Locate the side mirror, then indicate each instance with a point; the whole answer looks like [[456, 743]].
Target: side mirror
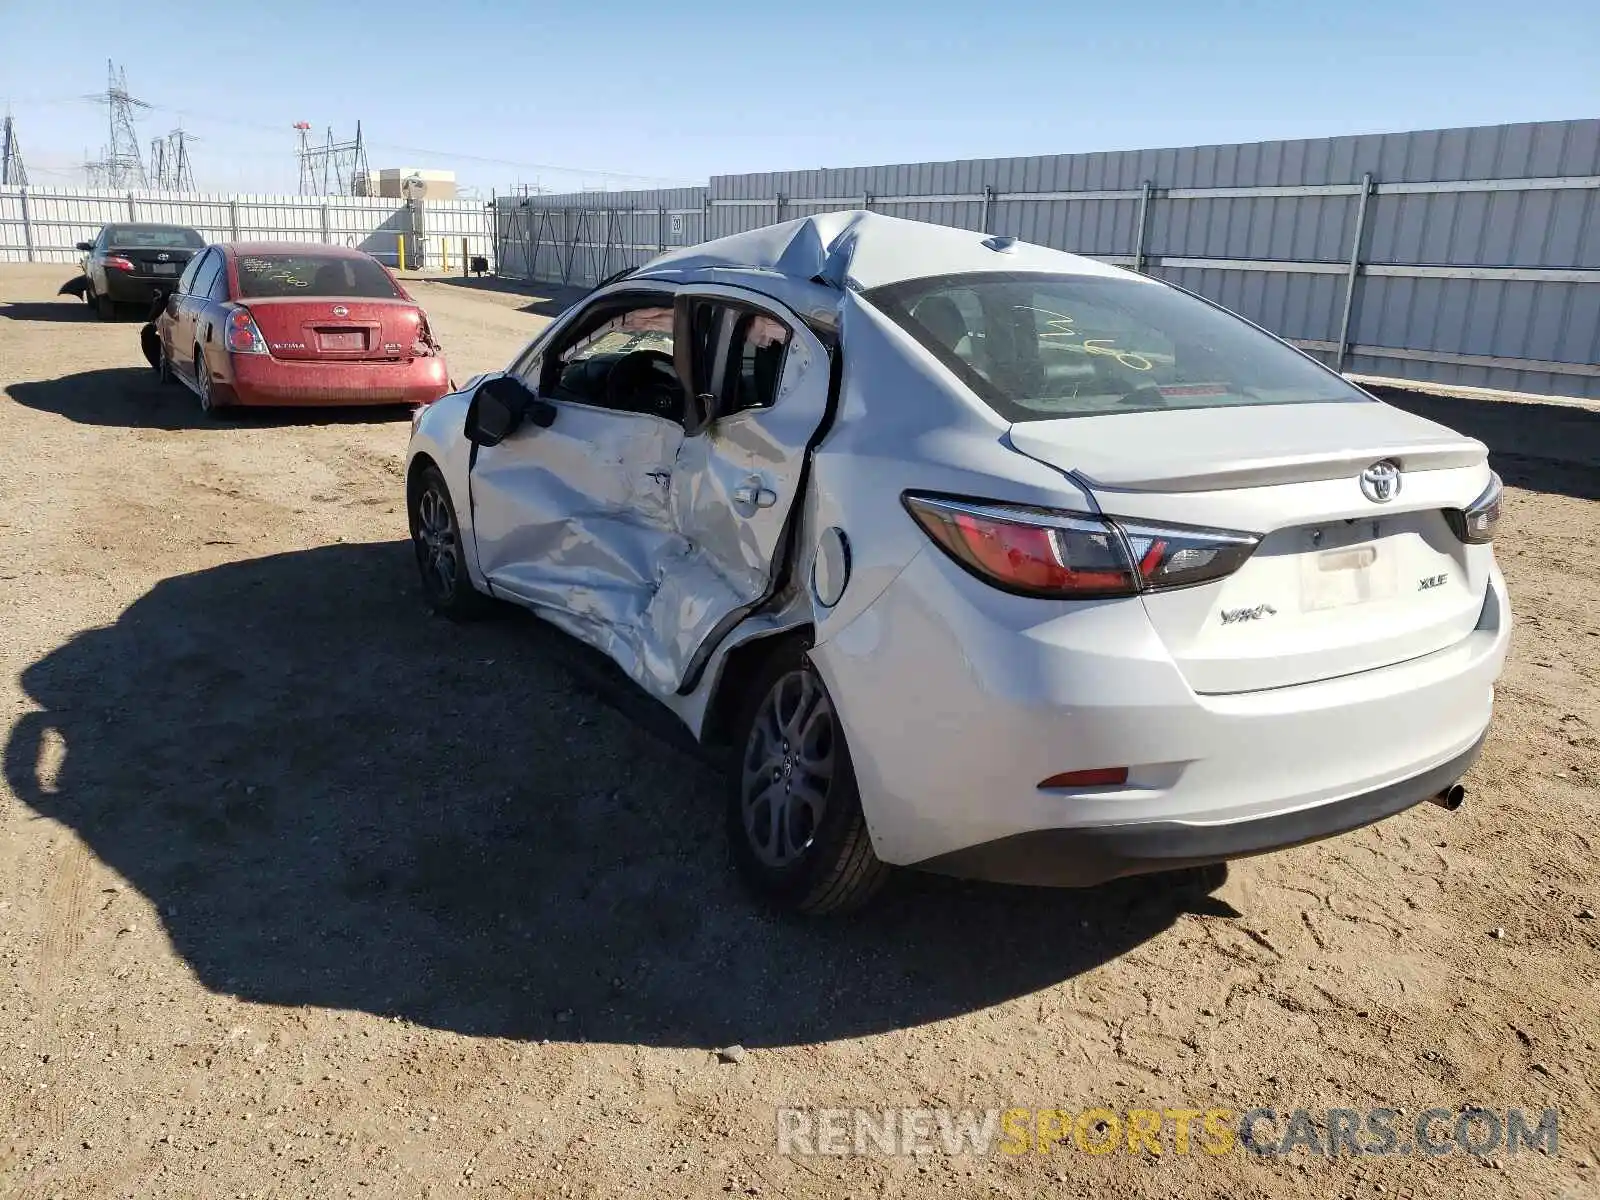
[[86, 247], [500, 406]]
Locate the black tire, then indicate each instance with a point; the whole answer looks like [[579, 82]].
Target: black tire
[[441, 556], [164, 371], [104, 307], [202, 383], [810, 863]]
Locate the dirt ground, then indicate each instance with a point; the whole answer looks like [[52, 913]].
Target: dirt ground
[[305, 894]]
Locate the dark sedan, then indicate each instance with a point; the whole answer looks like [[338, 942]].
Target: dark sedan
[[133, 264]]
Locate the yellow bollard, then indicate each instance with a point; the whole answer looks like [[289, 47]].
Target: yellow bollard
[[400, 249]]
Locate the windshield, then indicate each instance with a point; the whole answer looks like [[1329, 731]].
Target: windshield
[[266, 275], [153, 237], [1040, 347]]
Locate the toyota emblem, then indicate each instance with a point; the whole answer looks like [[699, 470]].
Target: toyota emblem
[[163, 257], [340, 310], [1380, 482]]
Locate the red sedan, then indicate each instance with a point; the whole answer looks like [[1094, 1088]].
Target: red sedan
[[277, 323]]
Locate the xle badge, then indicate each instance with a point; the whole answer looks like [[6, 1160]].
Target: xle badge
[[1232, 615], [1432, 581]]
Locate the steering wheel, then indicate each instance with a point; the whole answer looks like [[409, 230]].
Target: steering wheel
[[646, 381]]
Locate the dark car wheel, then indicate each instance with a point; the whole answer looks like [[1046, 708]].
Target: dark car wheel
[[795, 824], [164, 371], [441, 557], [202, 383], [104, 308]]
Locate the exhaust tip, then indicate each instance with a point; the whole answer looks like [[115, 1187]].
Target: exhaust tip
[[1452, 798]]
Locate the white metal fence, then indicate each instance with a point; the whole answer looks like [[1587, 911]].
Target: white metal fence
[[1463, 256], [45, 224]]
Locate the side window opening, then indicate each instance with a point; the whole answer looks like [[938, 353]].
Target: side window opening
[[621, 360], [186, 280], [219, 282], [207, 274], [755, 362]]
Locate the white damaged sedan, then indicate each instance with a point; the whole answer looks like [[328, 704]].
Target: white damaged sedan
[[982, 558]]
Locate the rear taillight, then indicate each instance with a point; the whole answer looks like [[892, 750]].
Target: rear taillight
[[115, 262], [243, 337], [1476, 523], [1060, 555], [424, 346]]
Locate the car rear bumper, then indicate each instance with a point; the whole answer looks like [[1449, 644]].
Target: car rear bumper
[[1082, 857], [262, 380], [123, 288], [958, 701]]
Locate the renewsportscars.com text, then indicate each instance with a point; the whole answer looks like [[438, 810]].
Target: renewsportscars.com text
[[1330, 1133]]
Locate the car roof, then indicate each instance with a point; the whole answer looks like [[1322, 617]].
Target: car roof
[[309, 249], [863, 250], [151, 225]]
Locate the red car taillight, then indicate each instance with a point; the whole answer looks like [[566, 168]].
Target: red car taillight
[[1074, 556], [243, 336], [115, 262]]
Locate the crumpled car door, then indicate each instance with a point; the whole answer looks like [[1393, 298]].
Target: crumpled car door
[[734, 487], [572, 520]]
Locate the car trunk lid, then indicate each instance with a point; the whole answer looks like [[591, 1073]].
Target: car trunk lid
[[331, 329], [1341, 582]]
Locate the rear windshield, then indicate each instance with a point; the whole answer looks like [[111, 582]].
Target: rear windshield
[[265, 275], [1040, 347], [153, 237]]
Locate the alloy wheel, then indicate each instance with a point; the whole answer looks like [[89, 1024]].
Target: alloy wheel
[[436, 541], [202, 379], [788, 768]]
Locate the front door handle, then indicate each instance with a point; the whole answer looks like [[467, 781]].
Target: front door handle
[[752, 496]]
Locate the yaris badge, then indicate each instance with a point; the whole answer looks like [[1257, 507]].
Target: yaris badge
[[1380, 482]]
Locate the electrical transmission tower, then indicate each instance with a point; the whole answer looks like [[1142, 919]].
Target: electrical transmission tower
[[170, 168], [121, 166], [12, 172], [333, 168]]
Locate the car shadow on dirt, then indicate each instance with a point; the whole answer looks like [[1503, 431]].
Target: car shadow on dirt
[[1552, 448], [46, 310], [333, 798], [132, 398]]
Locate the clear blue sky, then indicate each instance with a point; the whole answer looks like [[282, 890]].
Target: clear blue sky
[[560, 94]]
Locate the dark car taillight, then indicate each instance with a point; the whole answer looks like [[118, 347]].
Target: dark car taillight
[[1075, 556], [115, 262]]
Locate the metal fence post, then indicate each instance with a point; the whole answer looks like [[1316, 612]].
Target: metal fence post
[[778, 202], [661, 228], [866, 201], [1353, 273], [983, 214], [27, 225], [133, 209], [324, 224], [1144, 220], [233, 220]]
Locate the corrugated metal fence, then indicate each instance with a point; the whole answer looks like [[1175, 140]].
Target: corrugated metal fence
[[1461, 256], [44, 224]]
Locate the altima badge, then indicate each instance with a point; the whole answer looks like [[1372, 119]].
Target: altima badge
[[1231, 616], [1380, 482]]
